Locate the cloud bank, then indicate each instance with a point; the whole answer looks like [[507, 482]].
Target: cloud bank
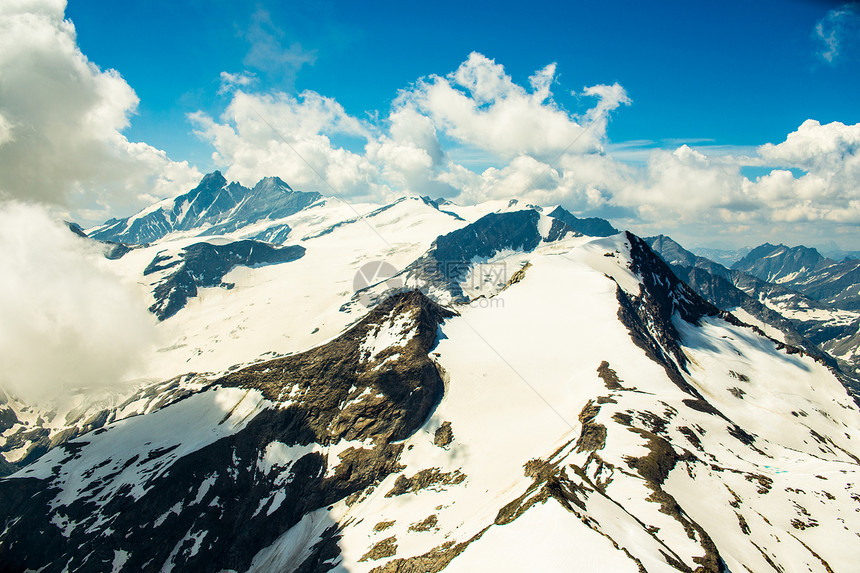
[[477, 107], [68, 324], [61, 121], [525, 144]]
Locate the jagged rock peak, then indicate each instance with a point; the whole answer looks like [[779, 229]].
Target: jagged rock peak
[[271, 184]]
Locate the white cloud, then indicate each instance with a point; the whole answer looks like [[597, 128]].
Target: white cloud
[[6, 135], [410, 156], [480, 105], [263, 135], [522, 141], [230, 82], [609, 98], [830, 147], [830, 190], [837, 31], [61, 119], [67, 323]]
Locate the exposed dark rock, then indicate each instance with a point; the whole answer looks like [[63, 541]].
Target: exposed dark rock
[[592, 436], [451, 256], [7, 418], [737, 393], [738, 376], [385, 548], [383, 525], [76, 229], [609, 376], [401, 397], [424, 479], [741, 435], [231, 532], [433, 561], [426, 524], [323, 553], [648, 315], [692, 437], [444, 435], [727, 288], [112, 249], [518, 275], [591, 226], [214, 207], [204, 265], [659, 461], [764, 483], [814, 333]]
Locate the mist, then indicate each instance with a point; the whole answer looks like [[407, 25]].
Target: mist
[[68, 323]]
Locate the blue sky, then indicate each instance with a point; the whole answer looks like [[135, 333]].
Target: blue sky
[[694, 112], [727, 73]]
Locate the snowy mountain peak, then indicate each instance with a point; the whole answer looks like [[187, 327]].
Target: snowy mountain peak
[[214, 180], [805, 270], [214, 207], [271, 184]]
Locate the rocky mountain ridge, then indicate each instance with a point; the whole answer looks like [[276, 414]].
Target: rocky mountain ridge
[[214, 207]]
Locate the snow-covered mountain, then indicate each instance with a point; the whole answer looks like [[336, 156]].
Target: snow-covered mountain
[[804, 270], [214, 207], [817, 326], [516, 395]]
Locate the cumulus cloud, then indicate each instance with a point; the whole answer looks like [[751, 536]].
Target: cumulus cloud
[[67, 323], [838, 31], [277, 134], [480, 105], [532, 148], [477, 106], [831, 147], [830, 188], [410, 156], [61, 120]]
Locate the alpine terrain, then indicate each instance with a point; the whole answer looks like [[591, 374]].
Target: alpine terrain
[[523, 390]]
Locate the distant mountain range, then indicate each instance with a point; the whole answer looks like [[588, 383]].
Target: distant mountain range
[[726, 257], [794, 290], [525, 390], [806, 271]]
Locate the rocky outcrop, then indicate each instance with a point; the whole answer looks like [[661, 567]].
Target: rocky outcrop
[[217, 506], [589, 226], [440, 271], [204, 265]]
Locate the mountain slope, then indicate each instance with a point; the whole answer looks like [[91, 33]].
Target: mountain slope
[[204, 265], [591, 226], [217, 476], [787, 315], [593, 412]]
